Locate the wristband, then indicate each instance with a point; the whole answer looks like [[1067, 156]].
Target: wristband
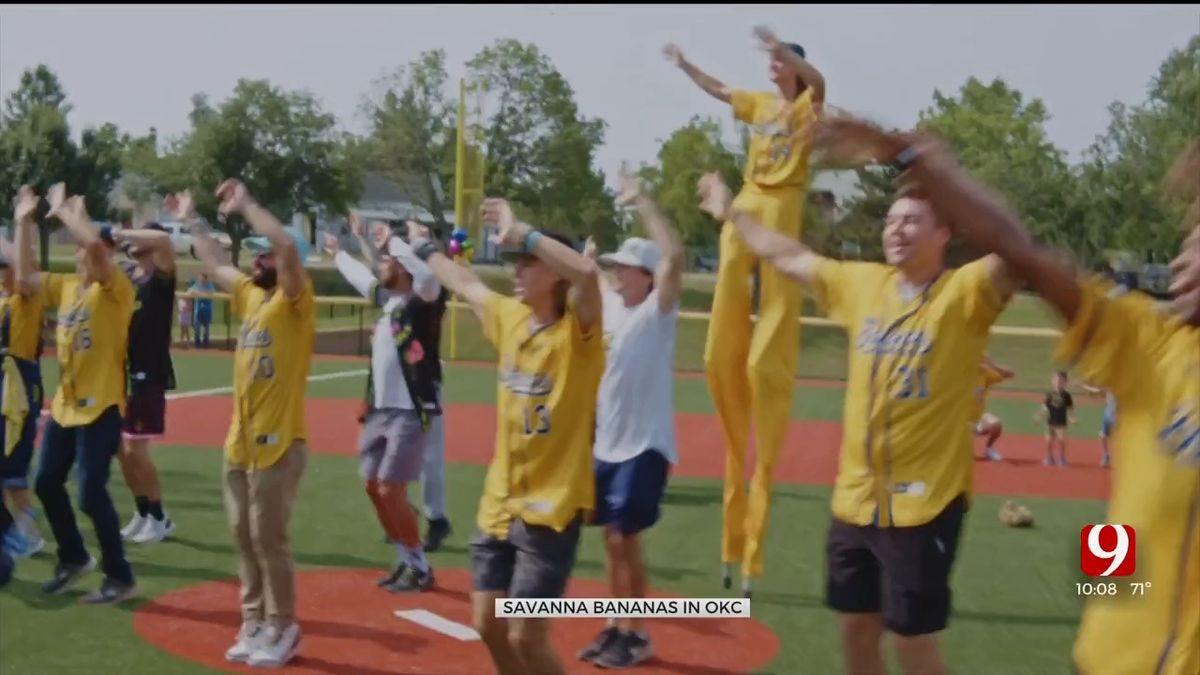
[[531, 241], [426, 250], [905, 158]]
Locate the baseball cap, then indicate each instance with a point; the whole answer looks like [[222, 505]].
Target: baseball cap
[[514, 254], [795, 48], [259, 245], [635, 252]]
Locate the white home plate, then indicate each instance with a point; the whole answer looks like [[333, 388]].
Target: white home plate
[[441, 624]]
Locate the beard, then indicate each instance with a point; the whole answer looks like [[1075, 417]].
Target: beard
[[264, 278]]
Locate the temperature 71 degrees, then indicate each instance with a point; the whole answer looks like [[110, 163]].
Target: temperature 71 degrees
[[1139, 587]]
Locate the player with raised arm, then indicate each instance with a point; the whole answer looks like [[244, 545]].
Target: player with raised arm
[[905, 469], [756, 364], [1148, 359], [402, 392], [84, 429], [151, 375], [266, 451], [539, 486], [635, 420], [21, 309]]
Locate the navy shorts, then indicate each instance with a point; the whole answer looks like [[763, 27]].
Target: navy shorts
[[14, 468], [145, 410], [628, 493]]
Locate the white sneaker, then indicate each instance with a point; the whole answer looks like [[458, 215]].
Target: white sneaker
[[154, 531], [277, 648], [249, 639], [991, 454], [135, 525]]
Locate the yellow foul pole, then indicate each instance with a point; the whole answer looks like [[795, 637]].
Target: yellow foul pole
[[460, 210]]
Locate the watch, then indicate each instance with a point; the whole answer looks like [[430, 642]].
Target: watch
[[905, 158], [426, 249]]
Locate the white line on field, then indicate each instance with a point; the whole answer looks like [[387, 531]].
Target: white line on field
[[195, 393], [435, 622]]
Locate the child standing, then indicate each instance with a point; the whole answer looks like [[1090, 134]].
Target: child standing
[[185, 322], [1057, 410]]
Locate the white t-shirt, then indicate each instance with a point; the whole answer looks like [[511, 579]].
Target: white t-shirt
[[634, 410]]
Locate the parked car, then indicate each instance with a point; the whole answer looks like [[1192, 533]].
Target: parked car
[[181, 239], [705, 263], [1155, 280]]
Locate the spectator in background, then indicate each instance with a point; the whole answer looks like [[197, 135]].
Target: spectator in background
[[185, 321], [202, 308]]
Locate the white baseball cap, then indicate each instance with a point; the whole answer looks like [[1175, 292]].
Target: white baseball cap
[[635, 252]]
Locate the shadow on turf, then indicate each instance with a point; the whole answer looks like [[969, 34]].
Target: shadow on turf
[[302, 558]]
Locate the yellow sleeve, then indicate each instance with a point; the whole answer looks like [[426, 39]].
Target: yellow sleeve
[[745, 104], [981, 301], [838, 285], [52, 287], [496, 311], [305, 303], [1110, 336], [239, 296]]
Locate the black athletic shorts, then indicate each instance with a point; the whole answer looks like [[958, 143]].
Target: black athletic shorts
[[145, 410], [534, 561], [900, 572]]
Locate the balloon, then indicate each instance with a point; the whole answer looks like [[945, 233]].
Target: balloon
[[468, 243], [455, 248], [459, 234]]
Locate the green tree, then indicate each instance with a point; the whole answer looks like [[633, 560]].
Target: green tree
[[1000, 137], [857, 233], [1119, 194], [36, 148], [286, 149], [539, 147], [413, 130], [688, 153]]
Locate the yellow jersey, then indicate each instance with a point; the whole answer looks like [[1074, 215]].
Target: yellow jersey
[[906, 441], [988, 378], [270, 372], [22, 316], [1151, 363], [91, 339], [780, 137], [545, 419]]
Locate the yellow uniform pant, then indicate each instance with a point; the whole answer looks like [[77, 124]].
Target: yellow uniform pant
[[751, 369]]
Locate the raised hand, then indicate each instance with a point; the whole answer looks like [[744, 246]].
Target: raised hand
[[766, 39], [589, 249], [499, 212], [846, 139], [715, 196], [181, 206], [380, 233], [628, 186], [356, 225], [27, 203], [232, 196], [330, 245], [57, 196], [674, 54]]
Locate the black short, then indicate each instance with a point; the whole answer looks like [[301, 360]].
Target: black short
[[901, 572], [532, 562], [145, 410]]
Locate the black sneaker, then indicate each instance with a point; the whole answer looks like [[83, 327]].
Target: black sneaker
[[65, 576], [627, 651], [411, 581], [111, 592], [390, 579], [603, 641], [436, 533]]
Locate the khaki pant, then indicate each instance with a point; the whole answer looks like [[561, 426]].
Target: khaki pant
[[258, 504]]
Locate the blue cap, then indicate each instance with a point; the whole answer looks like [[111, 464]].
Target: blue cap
[[258, 245], [795, 48]]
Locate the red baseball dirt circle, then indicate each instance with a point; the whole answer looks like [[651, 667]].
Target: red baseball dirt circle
[[350, 627], [810, 454]]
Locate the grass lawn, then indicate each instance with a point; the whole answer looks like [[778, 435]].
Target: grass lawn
[[1015, 605]]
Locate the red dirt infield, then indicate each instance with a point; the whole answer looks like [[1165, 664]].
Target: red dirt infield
[[349, 628], [809, 455]]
